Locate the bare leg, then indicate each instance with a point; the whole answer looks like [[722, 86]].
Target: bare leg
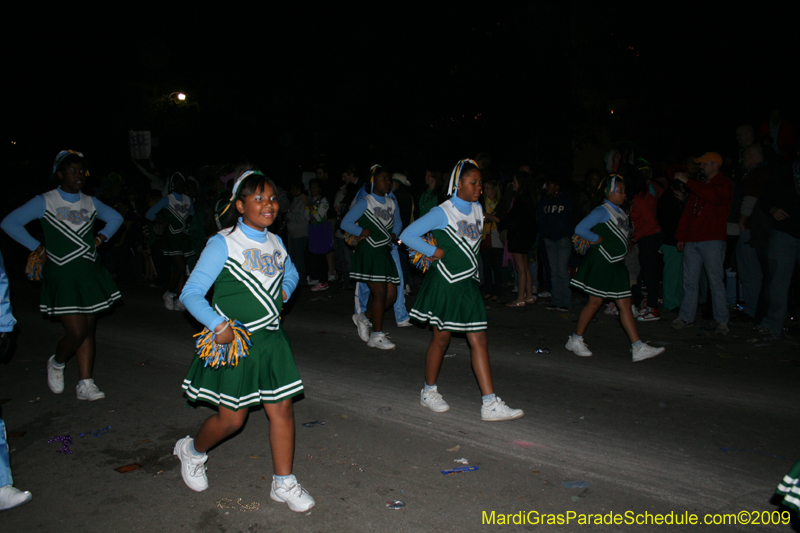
[[223, 424], [86, 352], [178, 276], [435, 355], [281, 435], [589, 310], [627, 320], [330, 257], [479, 345], [523, 277], [76, 329], [383, 297]]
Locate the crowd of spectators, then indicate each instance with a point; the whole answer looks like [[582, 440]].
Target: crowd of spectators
[[717, 233]]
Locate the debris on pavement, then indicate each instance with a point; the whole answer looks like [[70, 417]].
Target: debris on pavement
[[65, 440], [454, 448], [462, 461], [459, 470], [575, 484], [395, 504], [96, 433], [314, 424], [124, 469], [227, 503]]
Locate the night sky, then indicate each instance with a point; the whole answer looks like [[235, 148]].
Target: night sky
[[410, 88]]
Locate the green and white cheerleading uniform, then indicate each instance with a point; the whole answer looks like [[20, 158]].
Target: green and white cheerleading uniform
[[177, 208], [73, 279], [789, 488], [602, 272], [372, 261], [450, 297], [249, 270]]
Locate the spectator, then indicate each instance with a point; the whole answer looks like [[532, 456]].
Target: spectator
[[521, 224], [433, 194], [701, 236], [492, 246], [669, 211], [298, 231], [748, 250], [778, 133], [648, 237], [341, 203], [781, 199], [555, 216], [401, 188]]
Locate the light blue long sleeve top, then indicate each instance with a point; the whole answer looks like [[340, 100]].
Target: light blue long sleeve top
[[163, 204], [14, 223], [7, 319], [435, 219], [352, 216], [210, 266], [598, 215]]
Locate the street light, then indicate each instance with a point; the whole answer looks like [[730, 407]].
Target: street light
[[177, 96]]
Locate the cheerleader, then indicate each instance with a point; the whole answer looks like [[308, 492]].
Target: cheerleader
[[450, 298], [375, 221], [603, 273], [75, 285], [178, 208], [252, 277]]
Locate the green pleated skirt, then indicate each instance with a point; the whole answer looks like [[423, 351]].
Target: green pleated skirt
[[267, 375], [80, 287], [374, 264], [450, 306], [596, 276]]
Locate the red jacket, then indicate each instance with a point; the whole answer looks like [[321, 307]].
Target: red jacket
[[705, 217], [643, 215]]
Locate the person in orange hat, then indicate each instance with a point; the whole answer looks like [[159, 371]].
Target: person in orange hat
[[701, 236]]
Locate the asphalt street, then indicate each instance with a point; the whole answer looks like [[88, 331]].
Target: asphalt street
[[710, 426]]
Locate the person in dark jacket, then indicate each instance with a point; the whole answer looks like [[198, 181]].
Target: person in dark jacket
[[781, 200], [669, 211], [555, 215]]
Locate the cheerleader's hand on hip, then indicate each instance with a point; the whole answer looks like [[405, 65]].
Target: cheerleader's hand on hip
[[42, 253], [223, 334], [438, 254]]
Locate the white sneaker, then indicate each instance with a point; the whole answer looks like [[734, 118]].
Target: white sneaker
[[87, 390], [577, 346], [178, 305], [611, 309], [433, 400], [331, 277], [311, 281], [407, 290], [193, 467], [291, 493], [381, 341], [169, 300], [544, 294], [11, 497], [497, 411], [363, 326], [55, 375], [645, 351], [722, 328], [405, 323]]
